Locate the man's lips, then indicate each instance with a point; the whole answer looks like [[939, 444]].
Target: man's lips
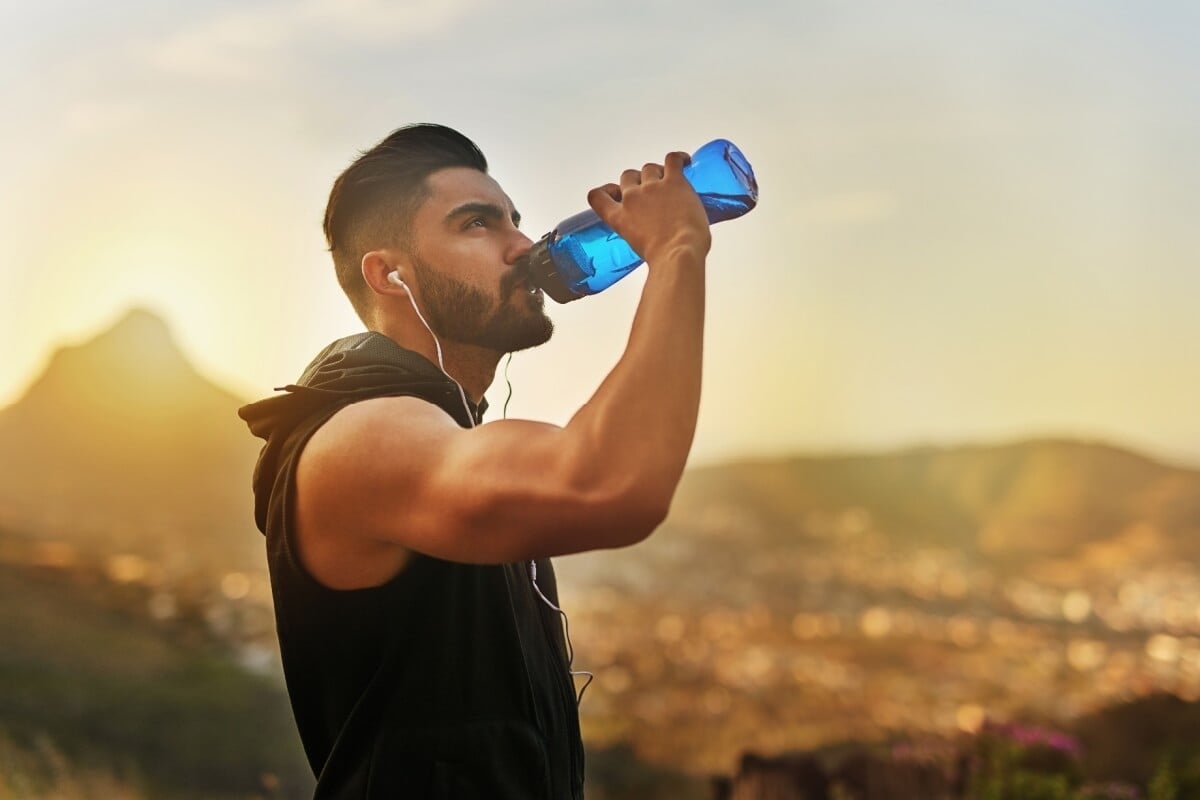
[[519, 278], [525, 285]]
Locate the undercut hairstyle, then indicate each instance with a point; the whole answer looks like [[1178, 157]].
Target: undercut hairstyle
[[372, 203]]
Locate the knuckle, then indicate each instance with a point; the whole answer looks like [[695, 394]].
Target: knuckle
[[601, 196]]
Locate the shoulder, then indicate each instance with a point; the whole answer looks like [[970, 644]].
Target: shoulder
[[358, 439], [352, 468], [385, 415]]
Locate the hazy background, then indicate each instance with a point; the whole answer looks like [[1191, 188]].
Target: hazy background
[[947, 475], [977, 221]]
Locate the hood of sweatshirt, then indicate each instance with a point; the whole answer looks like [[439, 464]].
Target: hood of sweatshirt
[[354, 368]]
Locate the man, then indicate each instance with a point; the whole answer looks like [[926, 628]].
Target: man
[[408, 544]]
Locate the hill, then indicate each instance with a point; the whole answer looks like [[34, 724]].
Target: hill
[[121, 446], [1009, 502], [750, 529]]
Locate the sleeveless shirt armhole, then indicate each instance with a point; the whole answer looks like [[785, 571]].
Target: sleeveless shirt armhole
[[287, 536], [291, 551]]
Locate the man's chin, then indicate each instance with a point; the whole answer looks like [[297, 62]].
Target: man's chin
[[518, 331], [536, 338]]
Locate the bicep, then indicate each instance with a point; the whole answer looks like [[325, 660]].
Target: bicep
[[400, 470]]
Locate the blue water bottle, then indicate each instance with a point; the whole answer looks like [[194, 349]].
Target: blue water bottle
[[583, 255]]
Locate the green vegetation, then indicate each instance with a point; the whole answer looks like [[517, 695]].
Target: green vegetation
[[41, 770], [93, 693]]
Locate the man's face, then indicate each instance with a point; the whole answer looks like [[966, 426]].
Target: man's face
[[467, 259]]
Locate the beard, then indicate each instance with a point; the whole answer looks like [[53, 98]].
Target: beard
[[463, 313]]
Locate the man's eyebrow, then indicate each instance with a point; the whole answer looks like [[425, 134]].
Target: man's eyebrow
[[489, 210]]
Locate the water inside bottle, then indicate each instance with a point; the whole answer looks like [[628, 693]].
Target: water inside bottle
[[595, 258], [720, 207]]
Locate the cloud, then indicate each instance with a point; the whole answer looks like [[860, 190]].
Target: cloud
[[251, 43]]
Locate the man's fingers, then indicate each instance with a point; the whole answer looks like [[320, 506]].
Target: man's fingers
[[611, 189], [630, 177], [605, 199], [652, 172], [675, 161]]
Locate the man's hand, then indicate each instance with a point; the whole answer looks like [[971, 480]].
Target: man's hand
[[657, 211]]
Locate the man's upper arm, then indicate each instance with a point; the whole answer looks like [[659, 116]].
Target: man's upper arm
[[400, 470]]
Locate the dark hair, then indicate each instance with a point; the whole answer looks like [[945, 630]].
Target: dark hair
[[372, 203]]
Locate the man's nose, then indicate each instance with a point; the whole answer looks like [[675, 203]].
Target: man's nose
[[520, 247]]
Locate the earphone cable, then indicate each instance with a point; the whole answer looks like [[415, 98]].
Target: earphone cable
[[504, 411], [438, 346], [566, 634]]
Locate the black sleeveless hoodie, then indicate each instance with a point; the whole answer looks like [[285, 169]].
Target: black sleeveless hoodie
[[450, 680]]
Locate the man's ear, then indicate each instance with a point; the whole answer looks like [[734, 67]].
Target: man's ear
[[376, 265]]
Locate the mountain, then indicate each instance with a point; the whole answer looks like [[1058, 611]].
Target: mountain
[[1040, 498], [747, 530], [120, 445]]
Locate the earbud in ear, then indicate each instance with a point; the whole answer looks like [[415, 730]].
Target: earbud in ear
[[395, 278]]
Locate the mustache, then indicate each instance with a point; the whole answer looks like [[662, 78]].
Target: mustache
[[518, 273]]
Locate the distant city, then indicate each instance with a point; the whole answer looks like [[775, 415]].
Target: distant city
[[850, 641], [869, 642]]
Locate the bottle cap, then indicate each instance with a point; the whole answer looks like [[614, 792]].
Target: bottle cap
[[544, 274]]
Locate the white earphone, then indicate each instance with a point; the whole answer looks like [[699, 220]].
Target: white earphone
[[394, 277]]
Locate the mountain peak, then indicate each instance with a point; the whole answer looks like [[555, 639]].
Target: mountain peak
[[139, 333], [129, 375], [121, 430], [141, 321]]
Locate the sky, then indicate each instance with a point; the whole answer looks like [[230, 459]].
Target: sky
[[976, 221]]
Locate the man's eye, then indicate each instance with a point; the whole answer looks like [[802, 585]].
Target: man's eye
[[477, 222]]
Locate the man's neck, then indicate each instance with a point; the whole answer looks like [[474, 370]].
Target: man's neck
[[473, 367]]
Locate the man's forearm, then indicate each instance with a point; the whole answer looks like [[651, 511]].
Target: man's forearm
[[637, 428]]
